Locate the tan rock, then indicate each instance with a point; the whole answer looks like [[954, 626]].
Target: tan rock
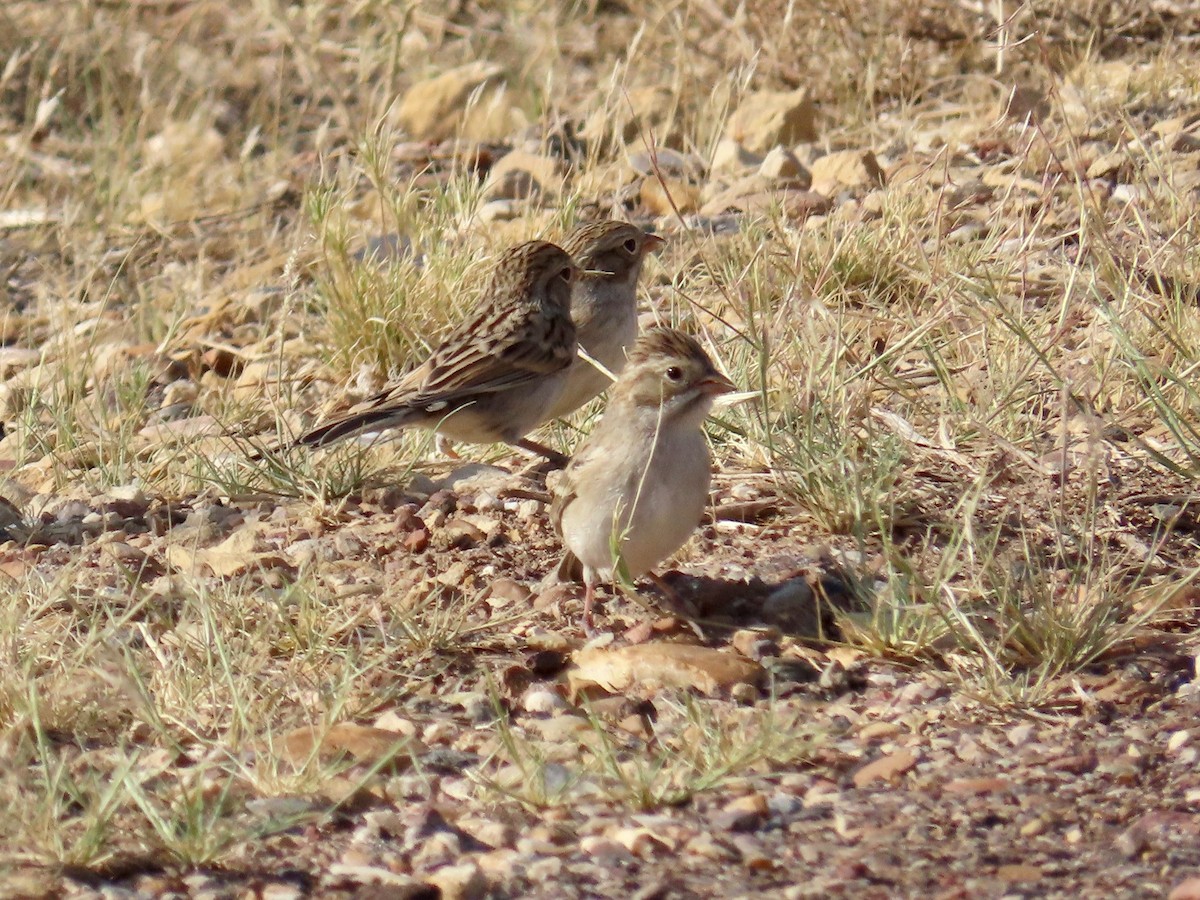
[[664, 161], [846, 169], [635, 113], [1188, 889], [659, 665], [755, 194], [663, 198], [782, 164], [518, 175], [887, 768], [772, 117], [469, 102], [462, 882], [732, 158], [1111, 165]]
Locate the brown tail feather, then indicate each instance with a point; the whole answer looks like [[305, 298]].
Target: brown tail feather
[[339, 429], [570, 569]]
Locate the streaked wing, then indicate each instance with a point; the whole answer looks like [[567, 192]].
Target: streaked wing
[[494, 353]]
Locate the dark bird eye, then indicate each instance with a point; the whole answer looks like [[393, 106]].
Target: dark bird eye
[[567, 275], [631, 246], [674, 374]]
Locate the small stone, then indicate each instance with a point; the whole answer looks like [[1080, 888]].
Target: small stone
[[976, 786], [499, 211], [706, 846], [746, 813], [754, 855], [887, 768], [1132, 842], [663, 198], [1019, 735], [640, 110], [784, 805], [791, 607], [518, 175], [745, 694], [1019, 872], [731, 158], [437, 109], [1177, 740], [458, 534], [875, 731], [1024, 104], [603, 848], [768, 118], [1188, 889], [507, 592], [846, 170], [1111, 165], [554, 596], [528, 510], [540, 700], [1033, 827], [782, 164], [461, 882], [666, 162]]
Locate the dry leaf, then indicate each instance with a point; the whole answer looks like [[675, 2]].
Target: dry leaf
[[661, 665], [364, 743]]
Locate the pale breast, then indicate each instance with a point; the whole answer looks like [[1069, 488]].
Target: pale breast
[[650, 506]]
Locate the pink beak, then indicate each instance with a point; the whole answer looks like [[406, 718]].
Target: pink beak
[[716, 384], [652, 242]]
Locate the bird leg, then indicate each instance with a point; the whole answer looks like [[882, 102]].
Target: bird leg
[[589, 597], [553, 457]]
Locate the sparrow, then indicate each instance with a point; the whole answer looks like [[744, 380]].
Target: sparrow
[[609, 256], [497, 375], [603, 304], [638, 485]]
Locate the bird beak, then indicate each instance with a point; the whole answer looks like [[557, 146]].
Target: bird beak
[[651, 243], [715, 384]]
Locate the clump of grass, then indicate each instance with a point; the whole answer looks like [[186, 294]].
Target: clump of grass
[[695, 748]]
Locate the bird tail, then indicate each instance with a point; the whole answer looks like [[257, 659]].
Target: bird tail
[[570, 569], [348, 426]]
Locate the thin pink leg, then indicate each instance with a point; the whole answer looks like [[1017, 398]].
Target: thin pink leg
[[589, 596]]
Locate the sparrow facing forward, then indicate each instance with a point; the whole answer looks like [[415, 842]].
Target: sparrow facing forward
[[637, 487]]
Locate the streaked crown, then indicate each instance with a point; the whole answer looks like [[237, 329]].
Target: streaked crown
[[665, 364], [590, 245], [521, 270]]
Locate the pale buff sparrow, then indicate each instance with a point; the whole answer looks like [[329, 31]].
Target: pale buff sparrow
[[603, 304], [638, 485], [496, 376]]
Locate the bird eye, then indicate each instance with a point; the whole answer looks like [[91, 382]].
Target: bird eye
[[567, 275], [674, 373], [631, 246]]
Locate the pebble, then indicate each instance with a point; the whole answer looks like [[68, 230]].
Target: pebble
[[464, 881], [542, 701]]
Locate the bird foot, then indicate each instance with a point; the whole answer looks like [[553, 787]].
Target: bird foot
[[445, 446]]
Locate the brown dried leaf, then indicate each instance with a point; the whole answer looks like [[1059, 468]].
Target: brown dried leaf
[[363, 743], [660, 665]]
